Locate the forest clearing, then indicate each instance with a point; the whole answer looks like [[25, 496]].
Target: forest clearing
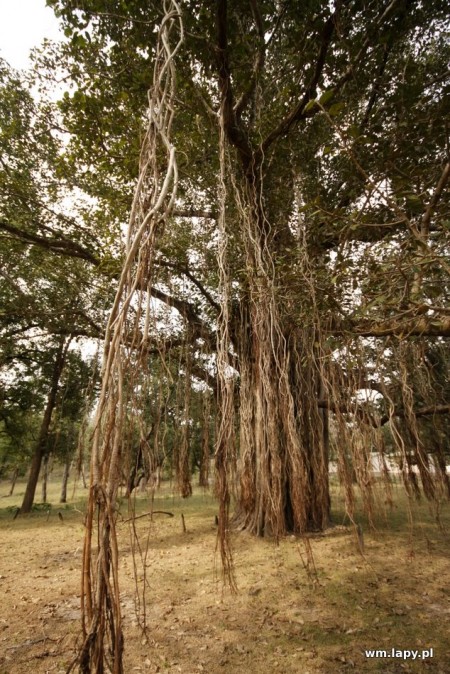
[[289, 615]]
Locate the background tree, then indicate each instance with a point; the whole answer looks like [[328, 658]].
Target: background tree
[[18, 429], [45, 296], [73, 407], [57, 363]]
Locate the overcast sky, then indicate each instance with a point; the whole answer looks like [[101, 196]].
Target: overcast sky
[[23, 25]]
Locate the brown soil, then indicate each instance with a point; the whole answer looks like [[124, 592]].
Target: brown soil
[[290, 615]]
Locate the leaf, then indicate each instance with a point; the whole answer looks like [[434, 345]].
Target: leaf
[[326, 96], [335, 109], [310, 105], [353, 131]]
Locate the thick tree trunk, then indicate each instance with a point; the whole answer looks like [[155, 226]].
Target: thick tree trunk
[[283, 437], [39, 451], [284, 443]]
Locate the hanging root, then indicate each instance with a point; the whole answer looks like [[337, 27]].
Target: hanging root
[[225, 382], [306, 391], [123, 370]]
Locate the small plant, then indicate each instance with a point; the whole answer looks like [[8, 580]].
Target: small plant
[[41, 507]]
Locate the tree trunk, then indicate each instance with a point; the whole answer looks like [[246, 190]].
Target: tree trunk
[[14, 477], [203, 479], [158, 471], [65, 480], [83, 476], [284, 482], [36, 462], [183, 464], [283, 438], [45, 471]]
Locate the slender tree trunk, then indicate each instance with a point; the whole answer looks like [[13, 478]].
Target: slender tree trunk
[[325, 431], [45, 471], [39, 451], [83, 476], [203, 479], [158, 471], [65, 480], [183, 466], [14, 477]]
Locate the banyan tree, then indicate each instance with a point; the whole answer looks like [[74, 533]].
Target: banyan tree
[[287, 247]]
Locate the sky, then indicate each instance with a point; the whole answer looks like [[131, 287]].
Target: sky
[[23, 25]]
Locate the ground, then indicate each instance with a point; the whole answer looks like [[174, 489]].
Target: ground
[[293, 612]]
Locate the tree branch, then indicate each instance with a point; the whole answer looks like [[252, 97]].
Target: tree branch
[[425, 224], [233, 129], [188, 311], [258, 64], [420, 412], [422, 326], [382, 421], [298, 112], [186, 272], [53, 244], [194, 213], [73, 249]]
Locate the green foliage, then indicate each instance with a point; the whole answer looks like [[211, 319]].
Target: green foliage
[[25, 389]]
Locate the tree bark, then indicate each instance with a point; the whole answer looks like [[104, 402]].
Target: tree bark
[[39, 450], [14, 477], [65, 480], [284, 483], [284, 448], [83, 476], [45, 470], [203, 479]]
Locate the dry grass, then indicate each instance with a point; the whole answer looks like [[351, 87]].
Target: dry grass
[[285, 618]]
